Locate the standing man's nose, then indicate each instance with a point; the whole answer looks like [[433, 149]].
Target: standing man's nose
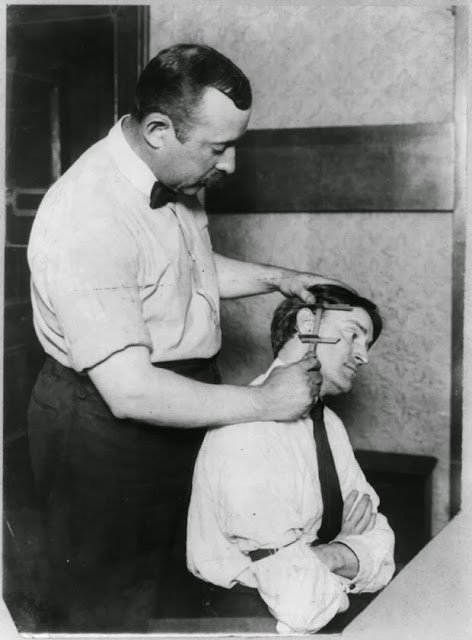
[[227, 162]]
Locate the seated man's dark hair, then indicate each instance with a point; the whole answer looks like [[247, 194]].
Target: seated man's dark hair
[[172, 83], [284, 320]]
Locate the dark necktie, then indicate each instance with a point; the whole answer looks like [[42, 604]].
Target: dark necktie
[[329, 481], [161, 195]]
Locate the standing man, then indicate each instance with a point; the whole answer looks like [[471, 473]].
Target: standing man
[[282, 518], [125, 291]]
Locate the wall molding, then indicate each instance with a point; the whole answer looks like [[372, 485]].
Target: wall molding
[[363, 168]]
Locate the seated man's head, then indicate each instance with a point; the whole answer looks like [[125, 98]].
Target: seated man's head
[[356, 329]]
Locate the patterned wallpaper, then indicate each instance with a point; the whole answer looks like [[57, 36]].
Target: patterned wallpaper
[[400, 402], [328, 66]]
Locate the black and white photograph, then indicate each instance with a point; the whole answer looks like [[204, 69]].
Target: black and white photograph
[[237, 320]]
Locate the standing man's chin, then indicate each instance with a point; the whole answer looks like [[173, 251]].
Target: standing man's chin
[[214, 179]]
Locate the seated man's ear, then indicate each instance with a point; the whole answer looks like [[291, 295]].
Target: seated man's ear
[[306, 321], [156, 127]]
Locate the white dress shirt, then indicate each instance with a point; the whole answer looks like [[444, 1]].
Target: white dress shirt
[[110, 272], [255, 486]]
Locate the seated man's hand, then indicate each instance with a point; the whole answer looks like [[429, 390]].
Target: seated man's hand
[[338, 558], [357, 519], [290, 390]]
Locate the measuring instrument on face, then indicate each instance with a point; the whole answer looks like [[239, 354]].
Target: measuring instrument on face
[[314, 339]]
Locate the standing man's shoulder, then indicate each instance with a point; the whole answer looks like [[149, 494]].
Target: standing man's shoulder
[[89, 195], [82, 182]]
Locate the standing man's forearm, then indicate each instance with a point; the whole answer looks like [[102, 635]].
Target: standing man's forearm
[[134, 389], [237, 279]]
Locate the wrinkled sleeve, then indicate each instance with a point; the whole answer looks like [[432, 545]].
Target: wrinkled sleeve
[[299, 589], [257, 508], [94, 291], [374, 549]]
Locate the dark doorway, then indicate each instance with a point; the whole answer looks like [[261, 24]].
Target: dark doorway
[[71, 71]]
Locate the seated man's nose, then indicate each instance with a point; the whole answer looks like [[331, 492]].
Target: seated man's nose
[[362, 355]]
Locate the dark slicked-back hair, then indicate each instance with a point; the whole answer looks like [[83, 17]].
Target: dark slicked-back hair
[[284, 320], [172, 83]]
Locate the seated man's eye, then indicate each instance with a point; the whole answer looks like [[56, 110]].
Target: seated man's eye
[[353, 335]]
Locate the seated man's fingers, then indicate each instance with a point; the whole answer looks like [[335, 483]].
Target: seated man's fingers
[[371, 524], [349, 503], [364, 521], [359, 511]]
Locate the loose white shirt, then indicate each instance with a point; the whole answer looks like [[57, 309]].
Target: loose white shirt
[[109, 272], [256, 486]]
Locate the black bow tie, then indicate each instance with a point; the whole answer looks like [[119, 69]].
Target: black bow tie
[[161, 195]]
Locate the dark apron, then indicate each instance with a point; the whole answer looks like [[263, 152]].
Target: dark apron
[[114, 494]]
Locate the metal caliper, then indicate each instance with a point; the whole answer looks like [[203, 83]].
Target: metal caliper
[[314, 338]]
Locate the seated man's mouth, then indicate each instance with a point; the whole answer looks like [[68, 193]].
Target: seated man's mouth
[[351, 368]]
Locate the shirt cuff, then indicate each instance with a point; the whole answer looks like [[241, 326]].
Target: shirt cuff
[[366, 565]]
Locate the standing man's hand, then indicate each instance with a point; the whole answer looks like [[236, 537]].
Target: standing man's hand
[[237, 279], [295, 283], [290, 390]]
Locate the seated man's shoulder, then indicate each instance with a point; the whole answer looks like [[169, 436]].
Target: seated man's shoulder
[[332, 417], [335, 427], [244, 443], [240, 433]]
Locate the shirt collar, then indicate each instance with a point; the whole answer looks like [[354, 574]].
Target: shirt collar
[[262, 378], [277, 363], [128, 161]]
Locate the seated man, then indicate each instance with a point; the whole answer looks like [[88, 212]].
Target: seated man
[[271, 522]]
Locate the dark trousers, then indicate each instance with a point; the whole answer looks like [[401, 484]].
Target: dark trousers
[[238, 602], [114, 494]]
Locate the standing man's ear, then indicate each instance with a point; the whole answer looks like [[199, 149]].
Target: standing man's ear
[[156, 127], [306, 321]]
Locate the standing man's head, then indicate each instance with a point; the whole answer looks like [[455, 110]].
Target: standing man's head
[[191, 105], [357, 331]]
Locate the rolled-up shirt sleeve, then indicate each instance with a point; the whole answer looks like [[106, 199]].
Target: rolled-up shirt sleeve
[[94, 291], [299, 589]]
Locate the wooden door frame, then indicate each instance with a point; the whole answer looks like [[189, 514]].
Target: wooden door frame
[[458, 256]]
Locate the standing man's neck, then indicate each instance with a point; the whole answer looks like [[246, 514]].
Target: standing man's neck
[[132, 134]]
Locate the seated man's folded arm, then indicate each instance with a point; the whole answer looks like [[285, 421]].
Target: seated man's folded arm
[[375, 546], [256, 512]]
